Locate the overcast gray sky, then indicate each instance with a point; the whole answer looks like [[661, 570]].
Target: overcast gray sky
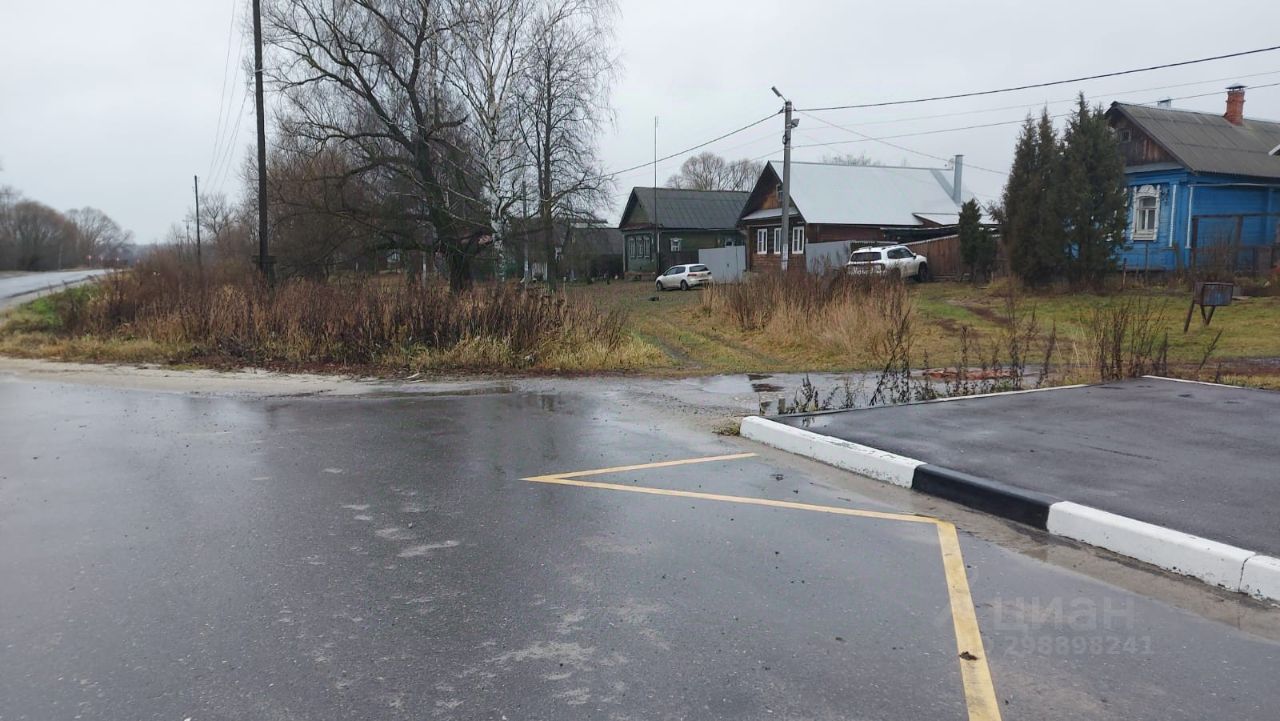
[[117, 104]]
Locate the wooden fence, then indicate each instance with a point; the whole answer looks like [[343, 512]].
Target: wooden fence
[[943, 254]]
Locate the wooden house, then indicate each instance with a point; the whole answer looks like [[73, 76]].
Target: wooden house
[[833, 203], [662, 227], [1202, 187]]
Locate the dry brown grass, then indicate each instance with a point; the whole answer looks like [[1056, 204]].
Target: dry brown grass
[[839, 315], [166, 310]]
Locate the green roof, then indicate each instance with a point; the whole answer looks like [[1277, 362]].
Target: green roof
[[684, 209]]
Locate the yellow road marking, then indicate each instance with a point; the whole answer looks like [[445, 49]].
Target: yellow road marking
[[642, 466], [975, 674], [747, 500], [979, 692]]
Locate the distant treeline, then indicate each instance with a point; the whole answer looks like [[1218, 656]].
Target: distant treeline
[[34, 236]]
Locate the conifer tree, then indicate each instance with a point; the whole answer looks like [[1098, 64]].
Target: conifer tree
[[1030, 219], [977, 247], [1091, 195]]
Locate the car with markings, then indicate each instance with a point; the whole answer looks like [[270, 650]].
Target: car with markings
[[888, 260]]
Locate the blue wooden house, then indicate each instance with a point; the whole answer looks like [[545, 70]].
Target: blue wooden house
[[1202, 187]]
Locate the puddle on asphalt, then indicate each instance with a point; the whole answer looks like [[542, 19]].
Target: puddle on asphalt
[[440, 389]]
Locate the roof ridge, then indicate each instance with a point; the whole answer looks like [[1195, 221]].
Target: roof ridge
[[683, 190], [873, 165], [1146, 106]]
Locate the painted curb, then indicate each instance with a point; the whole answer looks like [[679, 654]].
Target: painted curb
[[863, 460], [1261, 577], [994, 497], [1215, 563]]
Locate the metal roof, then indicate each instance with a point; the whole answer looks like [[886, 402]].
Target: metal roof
[[869, 194], [769, 213], [941, 218], [1207, 143], [685, 209]]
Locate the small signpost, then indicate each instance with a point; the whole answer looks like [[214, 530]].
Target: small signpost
[[1208, 296]]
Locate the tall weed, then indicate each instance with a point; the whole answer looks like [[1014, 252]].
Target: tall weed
[[377, 321]]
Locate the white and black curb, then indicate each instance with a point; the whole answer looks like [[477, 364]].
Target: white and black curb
[[1219, 564], [863, 460]]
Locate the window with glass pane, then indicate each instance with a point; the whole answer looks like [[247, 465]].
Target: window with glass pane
[[797, 240]]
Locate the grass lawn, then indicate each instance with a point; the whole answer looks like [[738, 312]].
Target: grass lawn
[[699, 341]]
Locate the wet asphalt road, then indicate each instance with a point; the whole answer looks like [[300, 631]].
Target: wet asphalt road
[[16, 289], [170, 556]]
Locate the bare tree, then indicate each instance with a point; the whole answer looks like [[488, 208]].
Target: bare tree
[[41, 237], [97, 237], [565, 103], [8, 250], [851, 159], [489, 58], [368, 76], [708, 171]]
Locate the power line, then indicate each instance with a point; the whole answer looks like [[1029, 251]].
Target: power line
[[224, 105], [1216, 92], [980, 111], [895, 145], [224, 166], [689, 150], [937, 131], [1050, 83], [952, 97]]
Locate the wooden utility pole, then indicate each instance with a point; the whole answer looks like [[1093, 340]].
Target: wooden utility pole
[[787, 125], [199, 259], [265, 261]]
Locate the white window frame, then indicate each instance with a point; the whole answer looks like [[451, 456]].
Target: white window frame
[[675, 245], [776, 247], [762, 241], [797, 240], [1138, 232]]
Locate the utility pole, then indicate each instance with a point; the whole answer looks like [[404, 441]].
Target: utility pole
[[265, 261], [788, 124], [199, 259], [524, 230], [657, 226]]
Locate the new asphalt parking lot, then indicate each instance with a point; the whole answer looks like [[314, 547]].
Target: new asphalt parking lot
[[547, 554], [1195, 457]]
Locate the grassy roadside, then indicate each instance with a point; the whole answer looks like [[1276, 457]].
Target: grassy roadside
[[171, 313], [682, 333], [702, 341]]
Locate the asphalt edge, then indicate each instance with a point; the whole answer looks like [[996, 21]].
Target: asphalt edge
[[1212, 562]]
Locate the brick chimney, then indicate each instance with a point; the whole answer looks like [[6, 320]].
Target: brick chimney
[[1235, 105]]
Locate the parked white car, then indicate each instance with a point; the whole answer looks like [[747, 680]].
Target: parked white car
[[889, 260], [684, 277]]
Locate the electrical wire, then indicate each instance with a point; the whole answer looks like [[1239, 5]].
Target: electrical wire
[[1046, 84], [979, 111], [903, 148], [224, 104], [699, 146], [224, 166], [882, 139]]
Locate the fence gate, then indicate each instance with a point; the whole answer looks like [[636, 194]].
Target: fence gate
[[727, 264]]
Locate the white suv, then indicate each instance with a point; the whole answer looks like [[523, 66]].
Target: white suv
[[889, 259]]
